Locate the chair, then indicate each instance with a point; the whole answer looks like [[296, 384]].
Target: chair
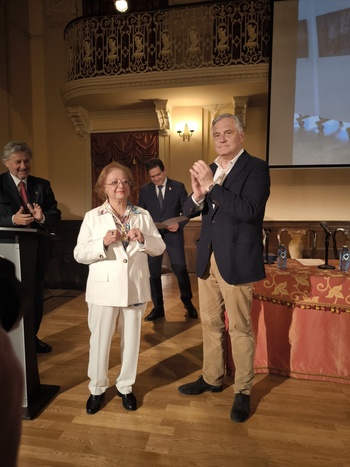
[[269, 258], [301, 243], [345, 239]]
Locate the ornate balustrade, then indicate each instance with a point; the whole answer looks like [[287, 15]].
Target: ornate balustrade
[[211, 36]]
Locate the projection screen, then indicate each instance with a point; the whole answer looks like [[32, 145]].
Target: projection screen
[[309, 108]]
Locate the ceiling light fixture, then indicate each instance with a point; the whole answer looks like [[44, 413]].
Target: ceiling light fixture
[[185, 134], [122, 6]]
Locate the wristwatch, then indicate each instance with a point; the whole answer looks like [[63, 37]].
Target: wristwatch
[[210, 188]]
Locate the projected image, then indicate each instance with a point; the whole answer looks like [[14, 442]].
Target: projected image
[[303, 45], [320, 141], [309, 104], [333, 33], [322, 128]]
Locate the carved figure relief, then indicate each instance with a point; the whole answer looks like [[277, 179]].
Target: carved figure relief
[[112, 49], [166, 44], [139, 47], [252, 36], [87, 52], [193, 41], [222, 39]]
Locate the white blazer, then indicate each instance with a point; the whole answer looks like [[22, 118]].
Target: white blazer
[[117, 277]]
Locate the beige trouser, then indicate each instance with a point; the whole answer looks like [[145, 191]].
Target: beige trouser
[[102, 323], [216, 296]]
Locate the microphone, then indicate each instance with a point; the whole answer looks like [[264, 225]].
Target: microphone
[[326, 228]]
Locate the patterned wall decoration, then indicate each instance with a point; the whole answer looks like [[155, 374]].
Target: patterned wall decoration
[[214, 35]]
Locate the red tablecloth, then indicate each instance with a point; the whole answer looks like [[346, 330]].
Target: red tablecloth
[[301, 321]]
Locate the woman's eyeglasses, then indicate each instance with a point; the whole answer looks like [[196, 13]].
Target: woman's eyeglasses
[[115, 183]]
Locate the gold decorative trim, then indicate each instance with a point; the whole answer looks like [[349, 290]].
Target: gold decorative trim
[[253, 73]]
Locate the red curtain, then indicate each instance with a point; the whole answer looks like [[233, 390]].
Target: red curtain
[[132, 149]]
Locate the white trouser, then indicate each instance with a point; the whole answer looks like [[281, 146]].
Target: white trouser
[[102, 323]]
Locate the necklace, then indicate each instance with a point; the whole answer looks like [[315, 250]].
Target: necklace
[[123, 225]]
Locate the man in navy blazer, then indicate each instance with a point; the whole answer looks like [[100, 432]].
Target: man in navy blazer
[[173, 194], [35, 207], [231, 195]]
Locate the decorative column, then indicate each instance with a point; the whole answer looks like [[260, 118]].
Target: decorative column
[[240, 108], [80, 120], [163, 115]]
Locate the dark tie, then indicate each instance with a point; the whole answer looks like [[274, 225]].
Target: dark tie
[[160, 196], [23, 192]]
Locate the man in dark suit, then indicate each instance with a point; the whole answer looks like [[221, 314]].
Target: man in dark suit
[[28, 202], [163, 198], [231, 195]]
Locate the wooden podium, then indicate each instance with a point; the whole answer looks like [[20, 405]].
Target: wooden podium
[[20, 246]]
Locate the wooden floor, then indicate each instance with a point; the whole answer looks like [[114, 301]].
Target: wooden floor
[[293, 422]]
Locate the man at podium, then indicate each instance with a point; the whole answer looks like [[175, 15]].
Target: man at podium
[[28, 202]]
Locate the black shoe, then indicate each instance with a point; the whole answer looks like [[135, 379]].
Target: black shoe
[[42, 347], [198, 387], [155, 314], [192, 312], [94, 403], [129, 400], [241, 408]]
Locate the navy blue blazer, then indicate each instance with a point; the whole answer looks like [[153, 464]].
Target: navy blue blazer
[[39, 191], [232, 229], [174, 198]]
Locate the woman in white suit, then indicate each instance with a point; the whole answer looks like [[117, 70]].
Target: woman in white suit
[[114, 240]]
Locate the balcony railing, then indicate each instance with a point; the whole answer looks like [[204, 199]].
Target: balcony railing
[[215, 35]]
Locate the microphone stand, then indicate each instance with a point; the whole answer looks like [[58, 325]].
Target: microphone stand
[[326, 265]]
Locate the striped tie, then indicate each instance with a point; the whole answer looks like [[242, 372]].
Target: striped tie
[[160, 196]]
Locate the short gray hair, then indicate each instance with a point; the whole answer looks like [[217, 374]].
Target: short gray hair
[[13, 147], [234, 117]]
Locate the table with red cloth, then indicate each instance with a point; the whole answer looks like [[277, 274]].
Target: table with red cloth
[[301, 322]]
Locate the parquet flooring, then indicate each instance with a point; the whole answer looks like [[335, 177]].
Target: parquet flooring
[[293, 422]]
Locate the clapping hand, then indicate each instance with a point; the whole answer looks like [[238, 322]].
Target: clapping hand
[[201, 179], [22, 218], [36, 212]]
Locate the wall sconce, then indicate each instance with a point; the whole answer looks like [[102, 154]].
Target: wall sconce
[[185, 134], [122, 6]]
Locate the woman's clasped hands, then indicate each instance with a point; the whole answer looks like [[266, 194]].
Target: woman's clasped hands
[[113, 236]]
